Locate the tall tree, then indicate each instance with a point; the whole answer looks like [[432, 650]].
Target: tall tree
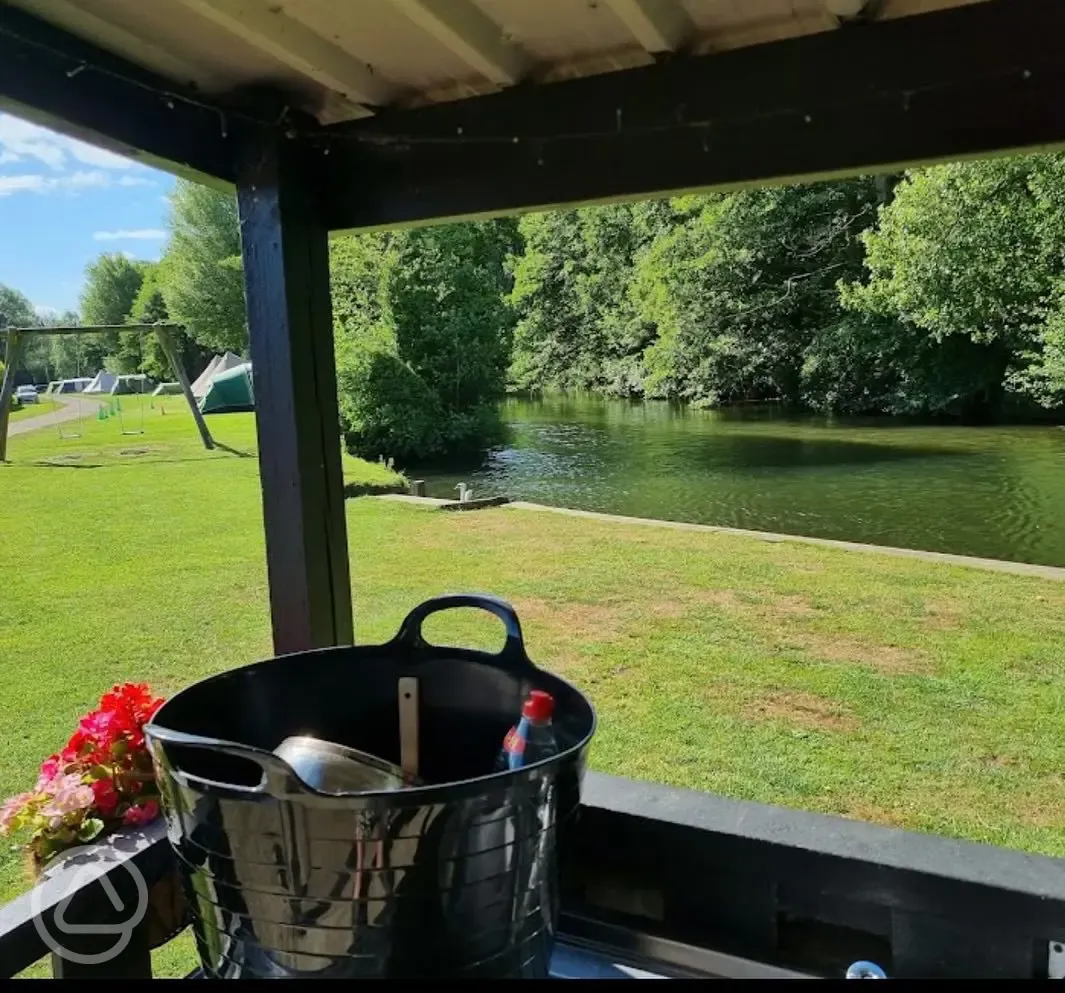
[[423, 337], [578, 325], [150, 308], [203, 282], [738, 287], [112, 282], [971, 254], [15, 309]]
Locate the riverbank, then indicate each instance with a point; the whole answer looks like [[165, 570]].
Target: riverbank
[[965, 561], [985, 492]]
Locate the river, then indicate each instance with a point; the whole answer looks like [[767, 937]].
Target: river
[[997, 492]]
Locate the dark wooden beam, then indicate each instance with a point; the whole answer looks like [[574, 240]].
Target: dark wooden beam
[[967, 81], [54, 79], [286, 272]]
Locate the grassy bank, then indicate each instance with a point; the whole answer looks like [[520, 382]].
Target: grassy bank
[[899, 691]]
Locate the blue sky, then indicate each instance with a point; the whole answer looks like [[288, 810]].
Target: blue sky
[[62, 203]]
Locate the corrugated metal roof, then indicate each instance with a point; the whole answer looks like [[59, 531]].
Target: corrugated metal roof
[[342, 59]]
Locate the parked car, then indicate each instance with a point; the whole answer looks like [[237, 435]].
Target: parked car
[[27, 394]]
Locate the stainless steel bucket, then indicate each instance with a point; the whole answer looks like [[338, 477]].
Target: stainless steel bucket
[[455, 877]]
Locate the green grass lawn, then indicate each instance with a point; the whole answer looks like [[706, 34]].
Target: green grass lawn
[[898, 691], [28, 410]]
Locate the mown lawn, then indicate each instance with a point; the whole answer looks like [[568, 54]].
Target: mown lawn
[[908, 693], [28, 410]]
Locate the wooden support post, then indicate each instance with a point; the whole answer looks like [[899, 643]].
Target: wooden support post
[[14, 347], [286, 274], [166, 342]]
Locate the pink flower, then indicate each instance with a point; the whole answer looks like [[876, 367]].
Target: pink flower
[[141, 813], [99, 725], [50, 768], [12, 808], [71, 795]]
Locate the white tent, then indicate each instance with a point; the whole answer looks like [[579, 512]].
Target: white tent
[[167, 390], [72, 385], [220, 363], [103, 383], [200, 384], [137, 383]]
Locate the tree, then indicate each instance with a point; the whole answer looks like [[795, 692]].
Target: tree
[[203, 283], [739, 286], [970, 254], [577, 323], [112, 282], [423, 338], [150, 308], [16, 311]]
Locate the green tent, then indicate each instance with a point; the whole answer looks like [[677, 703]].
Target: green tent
[[230, 391]]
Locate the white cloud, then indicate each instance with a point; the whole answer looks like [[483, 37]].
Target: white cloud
[[130, 234], [95, 179], [99, 157], [21, 140], [82, 180], [21, 184], [26, 140], [134, 181]]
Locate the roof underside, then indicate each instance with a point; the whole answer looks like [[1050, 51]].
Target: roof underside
[[341, 60], [393, 112]]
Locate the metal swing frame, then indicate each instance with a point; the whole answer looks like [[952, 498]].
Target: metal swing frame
[[162, 331]]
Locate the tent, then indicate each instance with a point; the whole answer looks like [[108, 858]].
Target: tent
[[72, 385], [131, 384], [220, 363], [103, 383], [167, 390], [230, 391]]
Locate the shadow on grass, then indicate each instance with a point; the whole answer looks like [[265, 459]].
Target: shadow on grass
[[234, 451]]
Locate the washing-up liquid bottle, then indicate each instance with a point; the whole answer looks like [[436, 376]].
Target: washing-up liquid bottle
[[533, 737]]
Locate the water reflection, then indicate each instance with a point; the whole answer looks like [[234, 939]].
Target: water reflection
[[975, 491]]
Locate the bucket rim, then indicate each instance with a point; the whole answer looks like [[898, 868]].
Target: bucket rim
[[279, 774]]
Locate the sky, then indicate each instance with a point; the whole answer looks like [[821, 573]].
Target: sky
[[62, 203]]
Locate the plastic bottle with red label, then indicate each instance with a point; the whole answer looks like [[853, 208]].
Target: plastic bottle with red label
[[532, 739]]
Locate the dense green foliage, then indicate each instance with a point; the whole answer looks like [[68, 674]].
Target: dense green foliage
[[40, 357], [422, 338], [203, 284], [942, 292]]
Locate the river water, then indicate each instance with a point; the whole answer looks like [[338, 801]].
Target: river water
[[997, 492]]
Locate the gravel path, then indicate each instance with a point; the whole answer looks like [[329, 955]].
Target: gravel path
[[68, 411]]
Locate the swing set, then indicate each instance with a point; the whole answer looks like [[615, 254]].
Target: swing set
[[104, 410]]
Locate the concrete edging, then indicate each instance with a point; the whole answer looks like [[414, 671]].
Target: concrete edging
[[944, 558]]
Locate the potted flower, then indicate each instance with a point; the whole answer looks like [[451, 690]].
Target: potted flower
[[101, 781]]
